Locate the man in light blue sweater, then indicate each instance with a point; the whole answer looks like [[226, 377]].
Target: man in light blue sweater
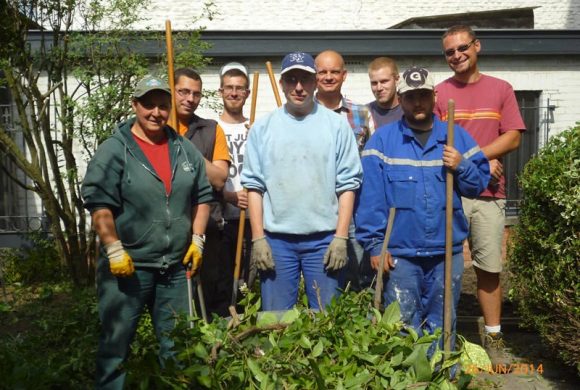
[[301, 169]]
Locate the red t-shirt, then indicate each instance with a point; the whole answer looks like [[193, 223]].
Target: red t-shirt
[[486, 109], [158, 156]]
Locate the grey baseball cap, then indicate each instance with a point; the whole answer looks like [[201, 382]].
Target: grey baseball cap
[[150, 83]]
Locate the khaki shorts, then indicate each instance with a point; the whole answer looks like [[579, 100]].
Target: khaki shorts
[[486, 219]]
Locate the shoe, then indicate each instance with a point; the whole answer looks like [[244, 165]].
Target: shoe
[[496, 349]]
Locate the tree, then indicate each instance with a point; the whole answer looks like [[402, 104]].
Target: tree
[[71, 81]]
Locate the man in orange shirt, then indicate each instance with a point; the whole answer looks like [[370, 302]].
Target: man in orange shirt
[[210, 140]]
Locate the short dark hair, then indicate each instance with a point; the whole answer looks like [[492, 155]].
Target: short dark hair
[[234, 73], [459, 28], [186, 72]]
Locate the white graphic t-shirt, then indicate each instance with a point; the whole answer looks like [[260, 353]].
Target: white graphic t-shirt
[[236, 136]]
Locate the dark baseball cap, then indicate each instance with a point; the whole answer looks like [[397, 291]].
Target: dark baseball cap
[[298, 60], [150, 83]]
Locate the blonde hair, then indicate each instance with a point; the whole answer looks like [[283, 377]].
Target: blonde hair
[[384, 62]]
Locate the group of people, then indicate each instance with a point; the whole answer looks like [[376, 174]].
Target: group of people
[[163, 199]]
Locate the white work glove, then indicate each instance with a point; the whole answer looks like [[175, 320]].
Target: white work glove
[[336, 255], [120, 262], [262, 254], [194, 254]]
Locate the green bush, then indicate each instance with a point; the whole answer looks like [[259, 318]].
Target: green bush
[[544, 251], [38, 262], [48, 339]]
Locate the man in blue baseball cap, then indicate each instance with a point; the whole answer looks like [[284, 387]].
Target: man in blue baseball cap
[[301, 169]]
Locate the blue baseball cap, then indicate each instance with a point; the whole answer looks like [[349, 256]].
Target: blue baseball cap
[[298, 60]]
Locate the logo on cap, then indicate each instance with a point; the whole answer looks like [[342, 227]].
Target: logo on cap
[[415, 77], [297, 57], [153, 83]]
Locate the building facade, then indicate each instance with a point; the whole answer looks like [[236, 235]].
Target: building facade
[[533, 44]]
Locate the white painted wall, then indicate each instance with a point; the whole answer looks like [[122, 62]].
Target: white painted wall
[[559, 81], [343, 15]]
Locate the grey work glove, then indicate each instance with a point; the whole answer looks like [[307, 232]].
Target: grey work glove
[[336, 255], [262, 254]]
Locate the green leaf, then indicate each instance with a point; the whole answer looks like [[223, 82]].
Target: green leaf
[[290, 316], [392, 314], [422, 366], [317, 350], [272, 340], [256, 371], [474, 356], [200, 351], [317, 374], [267, 318], [359, 380], [305, 342]]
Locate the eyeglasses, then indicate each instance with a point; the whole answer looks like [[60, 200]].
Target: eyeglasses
[[237, 88], [184, 92], [304, 80], [461, 49]]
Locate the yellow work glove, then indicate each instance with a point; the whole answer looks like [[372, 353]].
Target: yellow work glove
[[120, 262], [336, 255], [194, 253]]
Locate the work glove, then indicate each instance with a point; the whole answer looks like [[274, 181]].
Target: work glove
[[336, 255], [120, 262], [262, 254], [194, 253]]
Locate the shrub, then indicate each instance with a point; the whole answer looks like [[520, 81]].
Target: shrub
[[544, 251], [340, 348], [36, 262], [49, 339]]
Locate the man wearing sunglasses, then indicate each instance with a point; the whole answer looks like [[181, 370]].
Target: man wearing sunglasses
[[487, 108], [210, 140], [301, 170]]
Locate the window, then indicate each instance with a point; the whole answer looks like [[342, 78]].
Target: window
[[529, 102]]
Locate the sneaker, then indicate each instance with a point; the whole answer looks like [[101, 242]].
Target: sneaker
[[496, 349]]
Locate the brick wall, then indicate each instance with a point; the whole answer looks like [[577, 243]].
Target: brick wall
[[345, 15]]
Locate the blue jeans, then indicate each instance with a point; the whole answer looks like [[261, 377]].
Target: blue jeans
[[295, 254], [418, 284], [121, 302]]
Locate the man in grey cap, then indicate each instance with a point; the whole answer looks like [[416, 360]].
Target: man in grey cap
[[405, 167], [301, 170], [147, 192]]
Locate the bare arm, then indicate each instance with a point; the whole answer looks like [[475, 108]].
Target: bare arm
[[238, 198], [200, 216], [217, 173], [255, 199], [345, 207], [502, 145], [104, 225]]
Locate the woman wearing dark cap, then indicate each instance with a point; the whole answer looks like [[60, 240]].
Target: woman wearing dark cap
[[147, 190]]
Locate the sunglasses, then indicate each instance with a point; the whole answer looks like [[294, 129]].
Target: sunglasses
[[293, 80], [461, 49]]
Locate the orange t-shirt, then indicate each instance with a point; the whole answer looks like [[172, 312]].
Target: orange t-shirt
[[220, 146]]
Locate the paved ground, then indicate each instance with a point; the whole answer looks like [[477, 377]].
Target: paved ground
[[530, 354]]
